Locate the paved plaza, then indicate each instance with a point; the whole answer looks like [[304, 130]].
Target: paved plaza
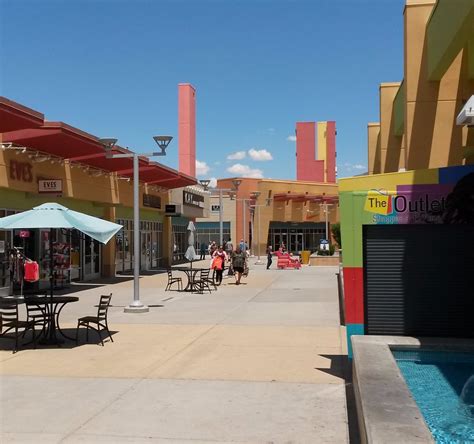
[[264, 362]]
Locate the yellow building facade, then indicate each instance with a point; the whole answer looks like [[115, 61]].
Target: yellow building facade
[[417, 127]]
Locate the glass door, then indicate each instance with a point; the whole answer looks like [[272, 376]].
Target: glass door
[[145, 250], [296, 243], [280, 240], [91, 258]]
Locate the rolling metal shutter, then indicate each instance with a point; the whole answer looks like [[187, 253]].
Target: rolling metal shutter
[[419, 280]]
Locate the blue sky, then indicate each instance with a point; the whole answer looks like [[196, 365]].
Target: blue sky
[[111, 68]]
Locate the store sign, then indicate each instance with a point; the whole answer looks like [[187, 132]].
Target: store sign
[[152, 201], [24, 233], [215, 208], [195, 200], [172, 210], [22, 171], [50, 186], [409, 204]]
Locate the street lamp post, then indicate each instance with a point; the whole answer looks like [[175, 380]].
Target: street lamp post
[[136, 306], [255, 196], [205, 185], [326, 218], [244, 219]]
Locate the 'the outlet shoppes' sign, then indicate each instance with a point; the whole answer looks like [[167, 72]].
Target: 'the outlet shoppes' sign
[[410, 204]]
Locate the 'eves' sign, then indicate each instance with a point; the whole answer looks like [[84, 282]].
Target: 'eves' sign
[[53, 186], [22, 171]]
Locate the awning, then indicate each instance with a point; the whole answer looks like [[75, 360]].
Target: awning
[[14, 116], [64, 141]]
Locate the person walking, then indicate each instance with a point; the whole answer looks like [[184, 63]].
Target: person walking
[[229, 248], [269, 256], [239, 259], [202, 251], [218, 264]]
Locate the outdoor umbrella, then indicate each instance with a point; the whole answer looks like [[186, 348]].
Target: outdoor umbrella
[[190, 254], [53, 215]]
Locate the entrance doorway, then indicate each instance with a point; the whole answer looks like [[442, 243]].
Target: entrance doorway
[[296, 242], [279, 240], [91, 256], [145, 253]]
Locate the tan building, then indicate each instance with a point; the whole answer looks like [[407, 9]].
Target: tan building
[[286, 212], [417, 127]]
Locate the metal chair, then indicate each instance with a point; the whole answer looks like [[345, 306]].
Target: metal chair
[[37, 314], [9, 322], [173, 280], [203, 282], [100, 320], [210, 279]]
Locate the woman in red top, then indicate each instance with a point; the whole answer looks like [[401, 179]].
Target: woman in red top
[[219, 258]]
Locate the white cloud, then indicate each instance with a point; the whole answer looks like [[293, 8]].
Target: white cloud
[[353, 168], [291, 138], [245, 171], [213, 182], [260, 155], [238, 155], [202, 168]]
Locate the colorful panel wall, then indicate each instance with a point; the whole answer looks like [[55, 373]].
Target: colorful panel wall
[[414, 197]]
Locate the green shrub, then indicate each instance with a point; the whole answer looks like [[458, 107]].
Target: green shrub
[[336, 233]]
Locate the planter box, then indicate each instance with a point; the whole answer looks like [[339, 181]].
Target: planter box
[[324, 261]]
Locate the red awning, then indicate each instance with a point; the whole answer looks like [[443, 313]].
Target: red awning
[[14, 116], [64, 141]]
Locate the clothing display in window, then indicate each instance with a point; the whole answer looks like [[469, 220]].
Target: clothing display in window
[[31, 271]]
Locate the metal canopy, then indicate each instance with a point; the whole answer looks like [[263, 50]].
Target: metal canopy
[[14, 116]]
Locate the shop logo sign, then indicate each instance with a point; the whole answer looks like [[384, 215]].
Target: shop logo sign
[[379, 202], [50, 186], [414, 204]]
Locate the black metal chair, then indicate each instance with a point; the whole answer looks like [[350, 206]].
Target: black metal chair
[[173, 280], [100, 320], [38, 314], [9, 322], [204, 281]]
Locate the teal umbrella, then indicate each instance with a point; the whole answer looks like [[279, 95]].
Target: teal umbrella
[[53, 215]]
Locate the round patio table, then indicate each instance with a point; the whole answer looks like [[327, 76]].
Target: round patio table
[[191, 275], [53, 306]]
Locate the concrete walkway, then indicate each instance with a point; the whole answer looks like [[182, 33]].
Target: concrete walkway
[[262, 362]]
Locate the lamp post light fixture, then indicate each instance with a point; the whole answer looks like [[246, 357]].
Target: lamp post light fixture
[[136, 306]]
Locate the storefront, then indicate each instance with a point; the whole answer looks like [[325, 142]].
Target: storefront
[[208, 232], [193, 203], [296, 236], [407, 253], [43, 161]]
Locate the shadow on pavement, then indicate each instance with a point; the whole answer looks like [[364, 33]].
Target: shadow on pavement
[[7, 342], [341, 367]]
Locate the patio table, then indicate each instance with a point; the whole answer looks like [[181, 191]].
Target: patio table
[[191, 275], [53, 307]]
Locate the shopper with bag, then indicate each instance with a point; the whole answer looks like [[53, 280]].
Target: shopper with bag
[[239, 262], [218, 260]]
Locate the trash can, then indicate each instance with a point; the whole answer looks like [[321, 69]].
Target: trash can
[[305, 257]]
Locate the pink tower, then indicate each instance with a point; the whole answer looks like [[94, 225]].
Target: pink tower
[[187, 129], [315, 166]]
